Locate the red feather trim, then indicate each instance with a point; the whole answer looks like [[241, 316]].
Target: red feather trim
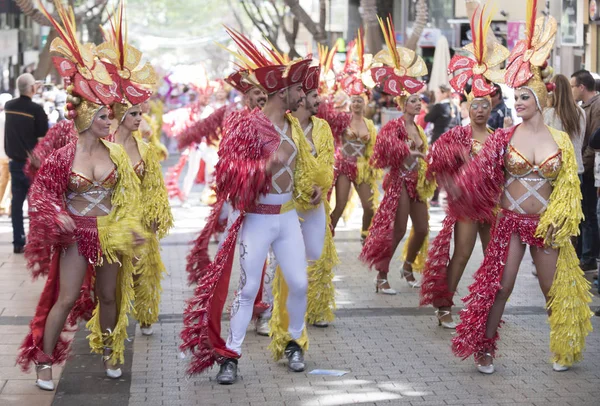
[[243, 154], [345, 166], [198, 259], [201, 334], [434, 285], [208, 129], [390, 149], [172, 177], [470, 333], [57, 137], [446, 155]]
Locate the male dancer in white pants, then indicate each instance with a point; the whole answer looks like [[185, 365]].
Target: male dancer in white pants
[[263, 171], [315, 223]]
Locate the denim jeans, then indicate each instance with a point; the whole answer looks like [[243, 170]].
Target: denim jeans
[[19, 188]]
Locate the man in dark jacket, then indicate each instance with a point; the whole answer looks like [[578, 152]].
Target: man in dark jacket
[[26, 122], [443, 114], [583, 87], [499, 111]]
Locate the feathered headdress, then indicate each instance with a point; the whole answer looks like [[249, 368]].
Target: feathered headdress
[[327, 78], [398, 68], [481, 68], [272, 73], [89, 84], [122, 61], [236, 80], [355, 77], [529, 57]]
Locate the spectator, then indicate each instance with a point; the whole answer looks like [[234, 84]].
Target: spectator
[[443, 113], [501, 116], [583, 87], [26, 121], [565, 115], [4, 173]]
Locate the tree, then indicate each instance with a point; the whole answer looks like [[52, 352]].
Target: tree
[[89, 15], [368, 13]]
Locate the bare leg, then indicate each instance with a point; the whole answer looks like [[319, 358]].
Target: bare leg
[[72, 273], [485, 235], [366, 200], [545, 264], [106, 290], [420, 222], [516, 250], [342, 191], [465, 236], [399, 227]]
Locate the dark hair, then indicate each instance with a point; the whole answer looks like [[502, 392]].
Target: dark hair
[[585, 78], [497, 90], [565, 107], [598, 85]]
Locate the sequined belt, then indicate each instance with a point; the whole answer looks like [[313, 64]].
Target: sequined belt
[[273, 208]]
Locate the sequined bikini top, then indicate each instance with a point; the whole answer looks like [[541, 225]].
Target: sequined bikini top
[[140, 169], [476, 147], [518, 166], [90, 193]]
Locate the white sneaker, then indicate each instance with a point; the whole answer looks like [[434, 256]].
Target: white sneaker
[[147, 331], [262, 326], [114, 373], [559, 368]]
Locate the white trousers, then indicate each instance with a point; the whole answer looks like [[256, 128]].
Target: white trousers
[[313, 224], [282, 232], [192, 170]]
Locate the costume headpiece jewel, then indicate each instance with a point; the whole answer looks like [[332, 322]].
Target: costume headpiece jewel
[[356, 79], [481, 69], [272, 73], [530, 55], [123, 62], [89, 83], [398, 67]]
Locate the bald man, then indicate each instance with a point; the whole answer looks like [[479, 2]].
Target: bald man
[[26, 122]]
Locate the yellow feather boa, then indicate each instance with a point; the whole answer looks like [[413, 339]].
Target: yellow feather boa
[[425, 190], [570, 292], [366, 172]]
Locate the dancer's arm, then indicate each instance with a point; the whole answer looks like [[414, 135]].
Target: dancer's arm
[[207, 128], [447, 155]]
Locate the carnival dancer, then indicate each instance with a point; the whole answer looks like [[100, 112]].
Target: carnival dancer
[[151, 125], [318, 240], [264, 171], [401, 146], [357, 139], [531, 169], [132, 80], [443, 272], [83, 221], [57, 137], [198, 258]]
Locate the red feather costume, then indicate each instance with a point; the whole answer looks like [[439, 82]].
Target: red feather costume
[[57, 137]]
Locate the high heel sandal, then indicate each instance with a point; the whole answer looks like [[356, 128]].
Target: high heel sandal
[[404, 274], [111, 373], [451, 325], [485, 369], [42, 384], [146, 330], [385, 291]]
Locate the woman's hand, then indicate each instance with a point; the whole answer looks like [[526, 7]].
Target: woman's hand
[[316, 196], [65, 223], [415, 153], [550, 236]]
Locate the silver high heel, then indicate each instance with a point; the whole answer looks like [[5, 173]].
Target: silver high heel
[[146, 330], [451, 325], [110, 373], [42, 384], [385, 291], [486, 369], [413, 284]]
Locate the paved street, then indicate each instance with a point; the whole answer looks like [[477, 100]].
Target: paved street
[[392, 351]]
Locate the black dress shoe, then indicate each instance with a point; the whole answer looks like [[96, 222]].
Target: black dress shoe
[[295, 357], [18, 250], [228, 372]]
